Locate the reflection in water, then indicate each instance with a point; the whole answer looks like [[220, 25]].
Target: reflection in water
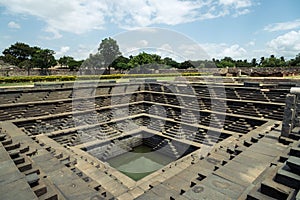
[[140, 162]]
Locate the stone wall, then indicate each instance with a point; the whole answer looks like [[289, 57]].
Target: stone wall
[[38, 72], [253, 72], [291, 112]]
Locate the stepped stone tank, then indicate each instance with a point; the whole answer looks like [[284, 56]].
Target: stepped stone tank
[[222, 141]]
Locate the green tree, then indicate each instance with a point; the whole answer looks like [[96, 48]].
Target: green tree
[[254, 62], [121, 63], [296, 61], [170, 62], [109, 50], [186, 64], [20, 51], [65, 60], [26, 64], [93, 62], [75, 64], [44, 59], [69, 62], [262, 60], [10, 59], [225, 62], [144, 59]]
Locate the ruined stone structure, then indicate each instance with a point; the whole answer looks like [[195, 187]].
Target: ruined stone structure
[[227, 141]]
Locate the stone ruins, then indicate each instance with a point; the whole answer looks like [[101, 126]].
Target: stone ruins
[[224, 140]]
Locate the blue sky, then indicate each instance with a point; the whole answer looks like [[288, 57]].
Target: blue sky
[[242, 29]]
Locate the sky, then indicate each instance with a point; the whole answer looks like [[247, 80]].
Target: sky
[[241, 29]]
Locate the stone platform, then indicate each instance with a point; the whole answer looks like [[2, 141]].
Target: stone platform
[[48, 138]]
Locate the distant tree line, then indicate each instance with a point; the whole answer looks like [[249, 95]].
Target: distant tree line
[[26, 57], [109, 56]]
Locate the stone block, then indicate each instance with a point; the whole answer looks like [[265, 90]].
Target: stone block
[[17, 190], [287, 178], [204, 192], [294, 164], [290, 100], [275, 190], [295, 151], [224, 186], [295, 90], [32, 178]]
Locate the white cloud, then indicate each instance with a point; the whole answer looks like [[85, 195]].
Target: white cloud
[[81, 16], [72, 16], [166, 47], [241, 7], [63, 50], [193, 52], [287, 45], [13, 25], [236, 3], [221, 50], [251, 43], [81, 52], [143, 43], [283, 26], [54, 33]]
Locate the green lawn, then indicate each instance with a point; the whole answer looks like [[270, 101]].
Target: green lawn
[[16, 84]]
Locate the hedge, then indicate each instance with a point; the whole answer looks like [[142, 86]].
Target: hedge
[[24, 79]]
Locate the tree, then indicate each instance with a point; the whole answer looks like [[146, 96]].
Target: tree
[[69, 62], [272, 61], [74, 64], [109, 50], [254, 62], [225, 62], [26, 64], [93, 62], [296, 61], [186, 64], [170, 62], [144, 59], [10, 59], [65, 60], [20, 51], [44, 59], [262, 60], [121, 63]]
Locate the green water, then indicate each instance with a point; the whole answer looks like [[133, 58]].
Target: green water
[[140, 162]]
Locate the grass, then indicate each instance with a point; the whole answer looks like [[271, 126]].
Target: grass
[[16, 84]]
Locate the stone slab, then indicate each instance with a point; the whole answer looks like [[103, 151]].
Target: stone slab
[[234, 176], [250, 171], [204, 192], [294, 163], [224, 186], [177, 183], [17, 190]]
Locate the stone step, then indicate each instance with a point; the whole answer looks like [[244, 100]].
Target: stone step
[[14, 154], [12, 146], [24, 166], [294, 164], [19, 160], [254, 194], [32, 179], [287, 178], [295, 151], [2, 137], [48, 196], [275, 190], [39, 190], [7, 142]]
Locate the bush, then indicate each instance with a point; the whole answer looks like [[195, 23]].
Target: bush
[[24, 79]]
